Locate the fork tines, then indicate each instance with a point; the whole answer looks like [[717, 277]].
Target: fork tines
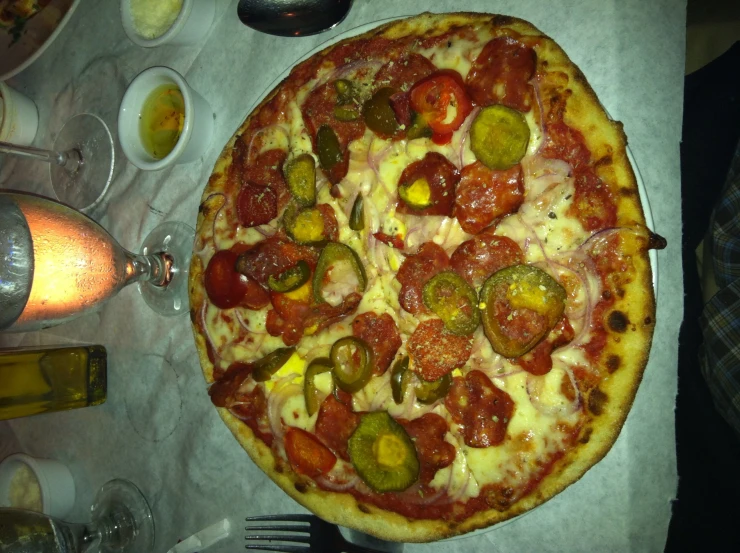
[[294, 538]]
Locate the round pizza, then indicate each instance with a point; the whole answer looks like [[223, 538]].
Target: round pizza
[[420, 290]]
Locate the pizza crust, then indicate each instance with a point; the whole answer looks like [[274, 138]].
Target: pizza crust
[[623, 359]]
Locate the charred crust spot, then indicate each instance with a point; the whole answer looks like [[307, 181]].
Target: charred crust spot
[[193, 316], [596, 401], [301, 487], [627, 192], [620, 292], [502, 20], [604, 161], [364, 508], [648, 321], [585, 435], [278, 468], [618, 321], [606, 294], [656, 242], [613, 362]]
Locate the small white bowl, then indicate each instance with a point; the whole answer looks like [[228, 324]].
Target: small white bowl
[[19, 118], [54, 479], [190, 27], [197, 129]]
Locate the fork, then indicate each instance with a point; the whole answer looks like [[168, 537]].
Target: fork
[[322, 537]]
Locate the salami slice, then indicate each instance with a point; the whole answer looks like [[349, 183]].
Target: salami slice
[[403, 72], [318, 110], [381, 334], [272, 256], [501, 74], [538, 360], [334, 425], [436, 352], [483, 195], [439, 178], [484, 254], [414, 273], [483, 410], [428, 433]]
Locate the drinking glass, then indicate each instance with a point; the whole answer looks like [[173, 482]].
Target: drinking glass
[[81, 161], [121, 522], [57, 264]]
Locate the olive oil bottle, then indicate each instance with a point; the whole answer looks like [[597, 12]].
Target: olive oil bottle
[[35, 381]]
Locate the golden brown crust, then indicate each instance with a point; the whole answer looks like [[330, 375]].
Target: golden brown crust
[[629, 321]]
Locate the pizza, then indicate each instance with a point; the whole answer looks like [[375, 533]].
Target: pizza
[[420, 290]]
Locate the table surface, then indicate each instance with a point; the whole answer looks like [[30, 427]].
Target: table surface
[[158, 427]]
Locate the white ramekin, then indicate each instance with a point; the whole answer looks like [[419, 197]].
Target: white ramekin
[[190, 27], [19, 118], [197, 129], [55, 481]]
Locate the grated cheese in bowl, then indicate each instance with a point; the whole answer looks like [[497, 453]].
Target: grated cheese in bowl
[[153, 18], [25, 491]]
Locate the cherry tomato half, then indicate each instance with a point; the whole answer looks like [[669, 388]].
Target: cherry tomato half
[[442, 101], [224, 285]]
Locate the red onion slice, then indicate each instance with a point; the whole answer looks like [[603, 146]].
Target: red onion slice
[[465, 130], [283, 390], [535, 387], [540, 106]]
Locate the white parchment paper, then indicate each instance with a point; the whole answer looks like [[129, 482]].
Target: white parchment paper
[[158, 427]]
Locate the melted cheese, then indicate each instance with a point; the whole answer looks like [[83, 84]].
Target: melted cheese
[[542, 228]]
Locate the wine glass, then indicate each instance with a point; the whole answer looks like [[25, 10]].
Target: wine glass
[[121, 522], [57, 264], [81, 161]]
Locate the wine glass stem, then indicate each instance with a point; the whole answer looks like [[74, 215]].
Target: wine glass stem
[[155, 268], [69, 160]]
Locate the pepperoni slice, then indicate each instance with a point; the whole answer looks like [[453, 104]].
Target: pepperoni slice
[[267, 170], [440, 175], [256, 205], [381, 334], [403, 72], [482, 409], [252, 410], [501, 74], [222, 391], [392, 241], [434, 453], [291, 318], [273, 256], [436, 352], [331, 226], [538, 360], [484, 254], [335, 424], [318, 110], [593, 203], [484, 195], [306, 454], [414, 273]]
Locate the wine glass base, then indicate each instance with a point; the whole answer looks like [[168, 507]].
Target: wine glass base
[[83, 188], [124, 518], [176, 240]]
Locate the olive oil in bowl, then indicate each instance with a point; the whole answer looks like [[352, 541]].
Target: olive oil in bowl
[[161, 120]]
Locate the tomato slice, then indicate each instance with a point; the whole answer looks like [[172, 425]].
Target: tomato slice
[[225, 287], [307, 455], [442, 101]]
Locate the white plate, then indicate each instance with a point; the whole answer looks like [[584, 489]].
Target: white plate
[[37, 34]]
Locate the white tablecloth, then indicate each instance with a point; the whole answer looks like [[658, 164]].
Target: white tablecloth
[[158, 427]]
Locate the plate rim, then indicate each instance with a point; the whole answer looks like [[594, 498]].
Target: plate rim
[[44, 45]]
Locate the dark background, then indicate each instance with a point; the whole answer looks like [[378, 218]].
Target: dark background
[[706, 514]]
